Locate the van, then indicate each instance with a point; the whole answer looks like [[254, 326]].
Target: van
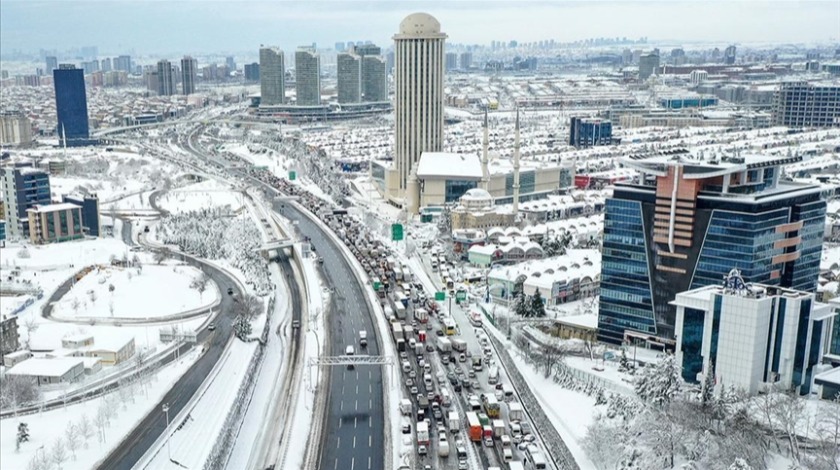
[[412, 344], [349, 351], [507, 453], [505, 441], [427, 380], [406, 366]]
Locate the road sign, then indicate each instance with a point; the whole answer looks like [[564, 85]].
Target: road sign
[[396, 232], [425, 218], [460, 296], [292, 175], [440, 295], [377, 285]]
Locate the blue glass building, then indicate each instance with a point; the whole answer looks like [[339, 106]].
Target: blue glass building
[[586, 132], [71, 106], [685, 223], [23, 188]]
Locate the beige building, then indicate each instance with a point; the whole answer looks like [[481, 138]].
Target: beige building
[[15, 128], [111, 350], [55, 223]]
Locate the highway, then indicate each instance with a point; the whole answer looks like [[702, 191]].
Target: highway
[[353, 435]]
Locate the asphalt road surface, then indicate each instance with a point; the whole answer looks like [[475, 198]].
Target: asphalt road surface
[[354, 438]]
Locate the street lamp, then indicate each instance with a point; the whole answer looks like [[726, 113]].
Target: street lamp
[[168, 448]]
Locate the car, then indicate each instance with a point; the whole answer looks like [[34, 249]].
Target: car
[[414, 390], [406, 427], [211, 326], [422, 450], [522, 446], [471, 374], [462, 465], [403, 355], [295, 323], [430, 395], [453, 379], [230, 290], [439, 332], [409, 382], [500, 386], [430, 348], [412, 374], [488, 442], [457, 388], [442, 432], [529, 438], [462, 357]]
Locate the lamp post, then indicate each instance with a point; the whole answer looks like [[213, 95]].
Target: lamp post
[[168, 448]]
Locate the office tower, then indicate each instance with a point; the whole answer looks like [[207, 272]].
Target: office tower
[[90, 66], [105, 65], [307, 76], [757, 334], [123, 63], [374, 79], [588, 132], [90, 211], [687, 222], [71, 105], [627, 57], [31, 80], [188, 75], [272, 77], [729, 55], [419, 95], [52, 64], [230, 62], [349, 67], [252, 72], [466, 60], [15, 129], [166, 82], [804, 104], [390, 59], [23, 188], [339, 47], [150, 77], [648, 65], [210, 72], [451, 61]]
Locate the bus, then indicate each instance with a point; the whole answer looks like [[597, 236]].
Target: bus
[[449, 326], [493, 375], [491, 406]]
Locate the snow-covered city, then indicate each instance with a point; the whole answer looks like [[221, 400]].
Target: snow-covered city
[[438, 248]]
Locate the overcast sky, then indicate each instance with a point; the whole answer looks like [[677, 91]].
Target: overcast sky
[[193, 26]]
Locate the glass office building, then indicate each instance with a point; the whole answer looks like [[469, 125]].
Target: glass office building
[[71, 105], [685, 223]]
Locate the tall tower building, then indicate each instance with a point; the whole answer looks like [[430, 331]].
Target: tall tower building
[[123, 63], [166, 82], [23, 188], [374, 78], [687, 222], [349, 67], [307, 76], [52, 64], [71, 105], [729, 55], [418, 98], [451, 61], [648, 65], [188, 74], [466, 60], [272, 74]]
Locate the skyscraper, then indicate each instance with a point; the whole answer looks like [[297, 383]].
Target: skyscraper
[[23, 188], [349, 66], [166, 82], [466, 60], [123, 63], [451, 61], [71, 105], [648, 65], [687, 222], [307, 76], [188, 74], [729, 55], [52, 64], [105, 65], [418, 98], [272, 77], [252, 72], [231, 63], [374, 79]]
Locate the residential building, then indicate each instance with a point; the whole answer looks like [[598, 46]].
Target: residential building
[[804, 104], [466, 60], [374, 79], [685, 222], [451, 61], [698, 76], [252, 72], [349, 66], [419, 95], [188, 75], [588, 132], [9, 337], [52, 64], [90, 212], [50, 371], [307, 76], [15, 128], [55, 223], [166, 81], [123, 63], [71, 105], [14, 358], [729, 55], [230, 62], [751, 335], [272, 76], [111, 349], [648, 65], [106, 65], [23, 188]]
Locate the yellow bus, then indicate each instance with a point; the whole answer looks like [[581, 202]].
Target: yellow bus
[[449, 326]]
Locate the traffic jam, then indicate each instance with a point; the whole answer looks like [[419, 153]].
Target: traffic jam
[[456, 393]]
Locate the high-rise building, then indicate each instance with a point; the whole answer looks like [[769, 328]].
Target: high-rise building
[[151, 79], [231, 63], [123, 63], [698, 76], [729, 55], [166, 80], [71, 105], [188, 75], [648, 65], [451, 61], [804, 104], [751, 335], [105, 65], [466, 60], [367, 49], [419, 94], [23, 188], [272, 74], [52, 64], [15, 129], [307, 76], [686, 222], [339, 47], [31, 80], [90, 66], [349, 67], [252, 72], [588, 132], [374, 79]]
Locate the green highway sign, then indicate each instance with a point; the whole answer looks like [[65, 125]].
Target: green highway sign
[[396, 232], [460, 296], [440, 295], [377, 285], [292, 175]]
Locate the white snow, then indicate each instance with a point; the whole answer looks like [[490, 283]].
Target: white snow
[[202, 195]]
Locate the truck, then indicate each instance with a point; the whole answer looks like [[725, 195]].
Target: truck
[[399, 309], [405, 406], [423, 402], [421, 315], [499, 428], [423, 433], [400, 345], [514, 411], [493, 375], [477, 363], [454, 422], [473, 427], [363, 338], [491, 406], [444, 345], [397, 329], [459, 345]]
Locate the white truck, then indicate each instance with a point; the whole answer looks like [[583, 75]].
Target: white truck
[[405, 406], [363, 338], [459, 345], [443, 447], [499, 428], [398, 331], [444, 345], [423, 433], [515, 411], [454, 422]]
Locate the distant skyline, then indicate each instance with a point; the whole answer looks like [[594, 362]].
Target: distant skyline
[[201, 27]]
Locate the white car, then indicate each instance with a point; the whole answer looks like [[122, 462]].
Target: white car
[[422, 450], [462, 465]]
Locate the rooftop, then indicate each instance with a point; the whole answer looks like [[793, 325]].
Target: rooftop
[[54, 207], [449, 165], [55, 367]]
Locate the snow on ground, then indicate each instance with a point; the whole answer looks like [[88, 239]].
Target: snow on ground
[[47, 427], [138, 200], [202, 195], [169, 284]]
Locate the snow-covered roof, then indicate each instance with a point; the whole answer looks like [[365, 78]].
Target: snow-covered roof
[[40, 367], [588, 320], [110, 342], [449, 165], [54, 207], [578, 263]]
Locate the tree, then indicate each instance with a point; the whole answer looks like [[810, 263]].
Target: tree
[[22, 435], [551, 357], [31, 326], [520, 305], [101, 420], [826, 452], [789, 414], [85, 429], [111, 307], [17, 390], [199, 283], [39, 462], [604, 444], [707, 393], [75, 304], [135, 260], [58, 453], [92, 295], [659, 384], [71, 437], [162, 255], [537, 308], [740, 464], [111, 288], [242, 327]]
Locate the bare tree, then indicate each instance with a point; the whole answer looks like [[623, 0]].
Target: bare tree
[[92, 295], [162, 255], [550, 358], [75, 304], [85, 429], [789, 413], [58, 453], [31, 326], [135, 260], [16, 391], [72, 438], [39, 462], [604, 444], [101, 420], [826, 452], [200, 284], [766, 405]]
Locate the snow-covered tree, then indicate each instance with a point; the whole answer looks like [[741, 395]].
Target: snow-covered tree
[[604, 445], [537, 308], [22, 435], [58, 453], [72, 438], [199, 283], [707, 393], [740, 464], [658, 384], [85, 429], [520, 305], [16, 390], [242, 327]]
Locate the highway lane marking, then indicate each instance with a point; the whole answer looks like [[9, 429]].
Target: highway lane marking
[[368, 463], [341, 406], [354, 442], [370, 388], [370, 421], [352, 463], [357, 405], [336, 464], [339, 421], [355, 422], [370, 440], [370, 404], [338, 442]]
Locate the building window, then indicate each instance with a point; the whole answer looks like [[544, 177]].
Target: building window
[[457, 188], [692, 343]]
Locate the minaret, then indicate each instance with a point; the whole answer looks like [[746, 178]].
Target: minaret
[[485, 172], [516, 167]]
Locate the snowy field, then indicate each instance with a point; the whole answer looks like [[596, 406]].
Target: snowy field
[[124, 408], [209, 193], [149, 292]]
